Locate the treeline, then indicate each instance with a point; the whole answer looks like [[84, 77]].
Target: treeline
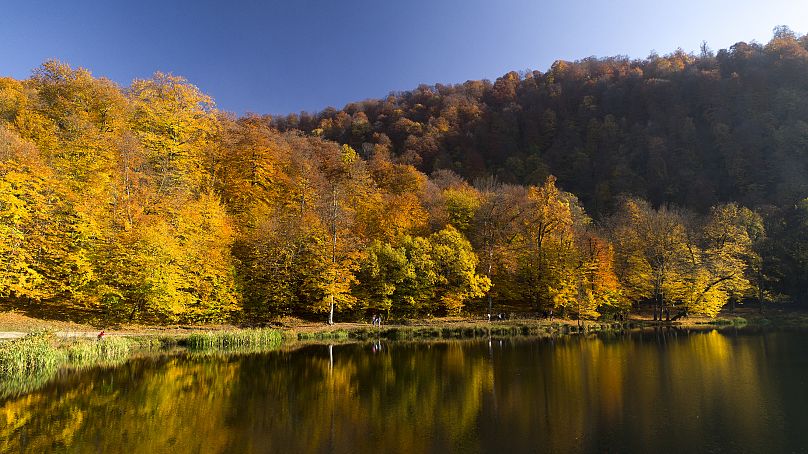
[[687, 130], [146, 203]]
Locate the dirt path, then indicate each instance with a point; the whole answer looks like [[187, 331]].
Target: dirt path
[[62, 334]]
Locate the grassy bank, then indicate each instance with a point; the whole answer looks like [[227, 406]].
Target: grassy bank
[[235, 340], [455, 330], [41, 351], [460, 328], [29, 362], [33, 353]]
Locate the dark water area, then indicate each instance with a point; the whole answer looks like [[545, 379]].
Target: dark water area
[[663, 391]]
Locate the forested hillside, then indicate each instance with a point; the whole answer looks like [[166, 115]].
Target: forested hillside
[[147, 203], [680, 129], [683, 129]]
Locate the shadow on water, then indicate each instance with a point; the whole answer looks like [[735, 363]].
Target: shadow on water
[[657, 389]]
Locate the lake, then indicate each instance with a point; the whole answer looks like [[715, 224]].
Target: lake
[[652, 391]]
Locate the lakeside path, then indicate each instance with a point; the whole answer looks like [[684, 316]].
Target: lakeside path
[[62, 334]]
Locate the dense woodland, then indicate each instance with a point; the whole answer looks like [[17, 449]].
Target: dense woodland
[[675, 183]]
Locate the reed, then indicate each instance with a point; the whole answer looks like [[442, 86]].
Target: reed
[[84, 352], [245, 339], [33, 354], [338, 334]]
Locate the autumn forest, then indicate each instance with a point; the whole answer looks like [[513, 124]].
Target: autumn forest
[[674, 184]]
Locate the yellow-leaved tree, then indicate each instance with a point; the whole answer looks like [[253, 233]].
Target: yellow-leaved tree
[[40, 259], [721, 257], [176, 123], [547, 266]]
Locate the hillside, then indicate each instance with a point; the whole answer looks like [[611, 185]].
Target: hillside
[[679, 128], [675, 182]]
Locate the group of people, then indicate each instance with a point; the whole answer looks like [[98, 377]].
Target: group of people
[[376, 320]]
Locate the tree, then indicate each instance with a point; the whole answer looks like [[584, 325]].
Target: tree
[[462, 204], [669, 257], [456, 265], [345, 179], [41, 257], [652, 252], [383, 268], [89, 116], [546, 242], [176, 124], [418, 275], [719, 264], [600, 290], [494, 232]]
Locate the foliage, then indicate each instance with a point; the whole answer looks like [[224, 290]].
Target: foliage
[[672, 258], [145, 203]]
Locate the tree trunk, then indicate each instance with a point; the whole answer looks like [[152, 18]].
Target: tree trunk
[[333, 252], [490, 300], [682, 313], [760, 292], [331, 312]]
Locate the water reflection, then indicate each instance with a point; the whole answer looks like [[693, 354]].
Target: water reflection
[[664, 390]]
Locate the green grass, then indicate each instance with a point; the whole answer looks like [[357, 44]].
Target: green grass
[[339, 334], [246, 339], [41, 352], [112, 350], [739, 321], [426, 332], [35, 353], [32, 361]]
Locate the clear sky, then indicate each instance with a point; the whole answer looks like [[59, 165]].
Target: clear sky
[[287, 56]]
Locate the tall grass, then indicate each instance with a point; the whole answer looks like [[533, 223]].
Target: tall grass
[[89, 353], [339, 334], [30, 362], [41, 352], [246, 339], [32, 354]]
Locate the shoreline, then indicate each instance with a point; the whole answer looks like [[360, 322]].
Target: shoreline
[[14, 325], [29, 360]]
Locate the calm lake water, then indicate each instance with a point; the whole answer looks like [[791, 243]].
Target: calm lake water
[[650, 392]]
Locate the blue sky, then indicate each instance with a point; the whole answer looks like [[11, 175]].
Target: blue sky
[[281, 57]]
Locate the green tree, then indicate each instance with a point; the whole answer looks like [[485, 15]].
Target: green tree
[[456, 265], [381, 271]]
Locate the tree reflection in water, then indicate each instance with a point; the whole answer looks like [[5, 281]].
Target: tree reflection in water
[[664, 390]]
